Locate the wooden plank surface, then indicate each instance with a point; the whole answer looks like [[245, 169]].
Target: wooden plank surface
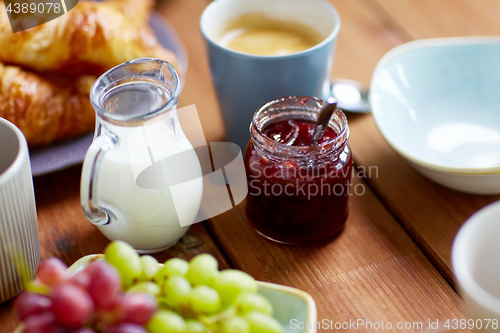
[[430, 213], [369, 30], [198, 88], [365, 36], [67, 234], [443, 18], [372, 271]]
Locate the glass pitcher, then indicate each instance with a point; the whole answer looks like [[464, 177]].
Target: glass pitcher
[[139, 158]]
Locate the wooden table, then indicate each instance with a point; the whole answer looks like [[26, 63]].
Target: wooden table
[[392, 261]]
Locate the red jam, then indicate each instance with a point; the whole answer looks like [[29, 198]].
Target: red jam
[[296, 132], [291, 198]]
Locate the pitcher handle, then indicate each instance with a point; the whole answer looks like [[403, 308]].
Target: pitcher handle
[[90, 171]]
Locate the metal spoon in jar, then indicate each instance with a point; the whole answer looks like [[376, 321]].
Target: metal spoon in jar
[[323, 119], [350, 95]]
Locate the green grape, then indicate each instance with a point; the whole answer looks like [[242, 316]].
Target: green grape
[[177, 289], [37, 287], [161, 276], [201, 269], [176, 266], [165, 321], [204, 300], [246, 302], [261, 323], [234, 325], [146, 288], [149, 267], [126, 261], [212, 279], [231, 282], [194, 326]]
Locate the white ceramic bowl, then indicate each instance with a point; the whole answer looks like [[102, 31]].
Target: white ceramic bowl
[[437, 103], [293, 308], [476, 263]]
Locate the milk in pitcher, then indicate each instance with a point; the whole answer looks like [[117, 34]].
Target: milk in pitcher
[[145, 216]]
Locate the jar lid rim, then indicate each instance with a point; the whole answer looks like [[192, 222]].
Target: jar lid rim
[[339, 140]]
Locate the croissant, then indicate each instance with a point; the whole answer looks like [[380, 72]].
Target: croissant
[[89, 39], [136, 11], [45, 111]]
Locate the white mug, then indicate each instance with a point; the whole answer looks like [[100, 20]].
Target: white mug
[[19, 242], [476, 263]]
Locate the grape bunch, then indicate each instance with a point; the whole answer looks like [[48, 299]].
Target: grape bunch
[[128, 293], [88, 302]]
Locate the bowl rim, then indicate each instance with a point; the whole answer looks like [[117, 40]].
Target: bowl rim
[[463, 276], [411, 46], [311, 316]]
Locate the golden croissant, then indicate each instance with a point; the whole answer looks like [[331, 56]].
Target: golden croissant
[[137, 11], [90, 39], [45, 111]]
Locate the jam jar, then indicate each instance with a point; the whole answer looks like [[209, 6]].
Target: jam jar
[[297, 193]]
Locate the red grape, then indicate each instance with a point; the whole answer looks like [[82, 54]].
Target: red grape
[[84, 330], [80, 279], [112, 314], [72, 305], [126, 328], [137, 308], [105, 283], [40, 323], [52, 272], [28, 304]]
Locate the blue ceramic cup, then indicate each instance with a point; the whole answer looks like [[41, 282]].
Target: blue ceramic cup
[[244, 82]]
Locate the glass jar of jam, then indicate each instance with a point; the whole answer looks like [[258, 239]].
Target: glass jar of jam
[[297, 193]]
